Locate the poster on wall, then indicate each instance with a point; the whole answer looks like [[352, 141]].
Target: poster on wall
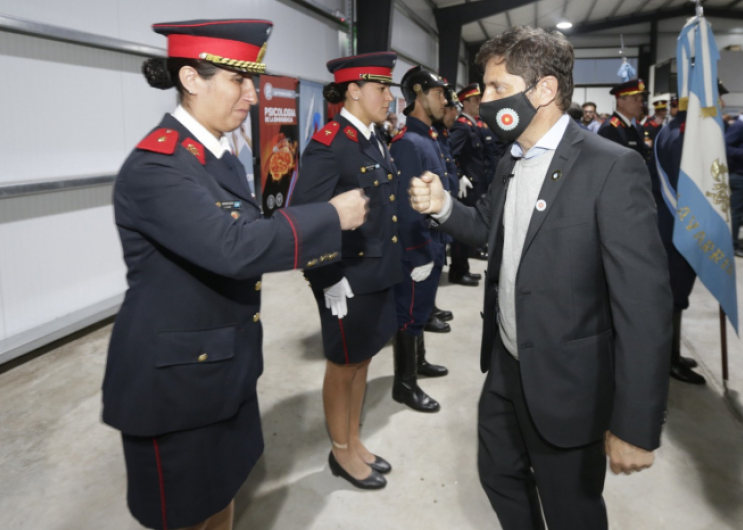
[[311, 119], [279, 140], [241, 143]]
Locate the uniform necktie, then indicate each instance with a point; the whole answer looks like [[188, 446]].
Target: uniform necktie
[[375, 142]]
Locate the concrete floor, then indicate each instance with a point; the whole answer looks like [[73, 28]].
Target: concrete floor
[[60, 468]]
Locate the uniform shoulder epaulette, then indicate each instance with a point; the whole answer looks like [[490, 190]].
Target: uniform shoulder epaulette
[[326, 135], [616, 122], [464, 120], [400, 134], [163, 141]]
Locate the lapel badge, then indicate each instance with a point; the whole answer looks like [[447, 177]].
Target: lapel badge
[[351, 133], [556, 175], [541, 205], [235, 215]]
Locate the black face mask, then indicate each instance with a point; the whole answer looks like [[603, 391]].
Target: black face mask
[[509, 117]]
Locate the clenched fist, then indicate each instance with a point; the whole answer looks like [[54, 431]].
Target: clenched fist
[[625, 457], [352, 207], [427, 194]]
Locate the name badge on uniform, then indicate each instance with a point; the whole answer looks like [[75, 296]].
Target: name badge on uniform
[[632, 143], [230, 205], [364, 169]]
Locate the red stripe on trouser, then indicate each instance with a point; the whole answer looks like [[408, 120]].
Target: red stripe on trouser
[[343, 337], [412, 304], [162, 483]]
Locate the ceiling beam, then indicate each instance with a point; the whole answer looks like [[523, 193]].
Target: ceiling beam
[[616, 8], [473, 11], [482, 26]]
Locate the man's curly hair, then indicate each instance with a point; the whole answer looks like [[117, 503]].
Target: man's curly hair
[[533, 54]]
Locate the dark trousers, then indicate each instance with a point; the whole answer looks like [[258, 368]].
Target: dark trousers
[[460, 254], [736, 205], [414, 301], [518, 467]]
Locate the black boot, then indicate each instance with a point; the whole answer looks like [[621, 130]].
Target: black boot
[[442, 314], [681, 367], [405, 389], [424, 367]]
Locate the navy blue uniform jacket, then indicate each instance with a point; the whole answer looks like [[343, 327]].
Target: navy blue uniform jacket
[[339, 159], [469, 152], [416, 150], [186, 346]]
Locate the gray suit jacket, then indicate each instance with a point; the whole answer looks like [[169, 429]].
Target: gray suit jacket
[[593, 298]]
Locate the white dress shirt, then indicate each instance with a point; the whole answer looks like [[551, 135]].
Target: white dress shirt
[[203, 136]]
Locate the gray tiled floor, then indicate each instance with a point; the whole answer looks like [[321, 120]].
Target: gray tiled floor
[[60, 468]]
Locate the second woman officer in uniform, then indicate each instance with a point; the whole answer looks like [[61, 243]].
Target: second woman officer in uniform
[[185, 352], [355, 298]]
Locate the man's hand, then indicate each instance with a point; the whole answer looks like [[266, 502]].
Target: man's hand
[[427, 194], [624, 457], [352, 207], [464, 185]]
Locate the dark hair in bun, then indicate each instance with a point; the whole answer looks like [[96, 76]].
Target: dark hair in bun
[[336, 92], [165, 73], [156, 73]]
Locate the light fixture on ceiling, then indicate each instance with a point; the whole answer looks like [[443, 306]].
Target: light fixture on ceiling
[[564, 25]]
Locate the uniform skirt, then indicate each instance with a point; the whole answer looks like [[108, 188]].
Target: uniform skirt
[[370, 322], [182, 478]]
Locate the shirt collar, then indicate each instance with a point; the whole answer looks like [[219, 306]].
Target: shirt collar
[[625, 119], [548, 142], [473, 120], [363, 129], [207, 139]]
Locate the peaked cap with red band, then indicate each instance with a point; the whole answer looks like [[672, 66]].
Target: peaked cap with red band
[[375, 67], [235, 44], [629, 88], [473, 89]]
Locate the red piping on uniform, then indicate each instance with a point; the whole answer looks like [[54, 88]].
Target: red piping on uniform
[[296, 240], [343, 338], [213, 23], [412, 303], [419, 246], [162, 483]]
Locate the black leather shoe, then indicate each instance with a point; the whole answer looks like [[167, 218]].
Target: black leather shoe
[[464, 279], [688, 362], [436, 325], [739, 253], [380, 465], [405, 387], [475, 276], [442, 314], [479, 254], [375, 481], [686, 375]]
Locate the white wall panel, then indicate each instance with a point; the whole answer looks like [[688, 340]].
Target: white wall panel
[[409, 38], [60, 254]]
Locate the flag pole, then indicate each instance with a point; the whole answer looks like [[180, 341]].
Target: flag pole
[[724, 346]]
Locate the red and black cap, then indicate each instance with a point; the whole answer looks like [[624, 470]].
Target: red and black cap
[[376, 67], [629, 88], [473, 89], [237, 44]]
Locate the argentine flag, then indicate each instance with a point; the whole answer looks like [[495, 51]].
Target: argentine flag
[[702, 231]]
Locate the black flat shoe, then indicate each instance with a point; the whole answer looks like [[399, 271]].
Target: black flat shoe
[[434, 325], [464, 279], [685, 374], [442, 314], [381, 465], [688, 362], [375, 481]]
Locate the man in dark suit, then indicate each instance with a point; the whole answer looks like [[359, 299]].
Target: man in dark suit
[[577, 319]]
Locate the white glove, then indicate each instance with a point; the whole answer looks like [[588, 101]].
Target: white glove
[[421, 273], [464, 185], [335, 298]]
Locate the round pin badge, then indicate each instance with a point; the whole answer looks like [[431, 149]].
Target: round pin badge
[[507, 119], [541, 205], [556, 175]]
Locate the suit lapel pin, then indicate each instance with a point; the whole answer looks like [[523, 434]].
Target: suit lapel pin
[[556, 175], [541, 205]]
